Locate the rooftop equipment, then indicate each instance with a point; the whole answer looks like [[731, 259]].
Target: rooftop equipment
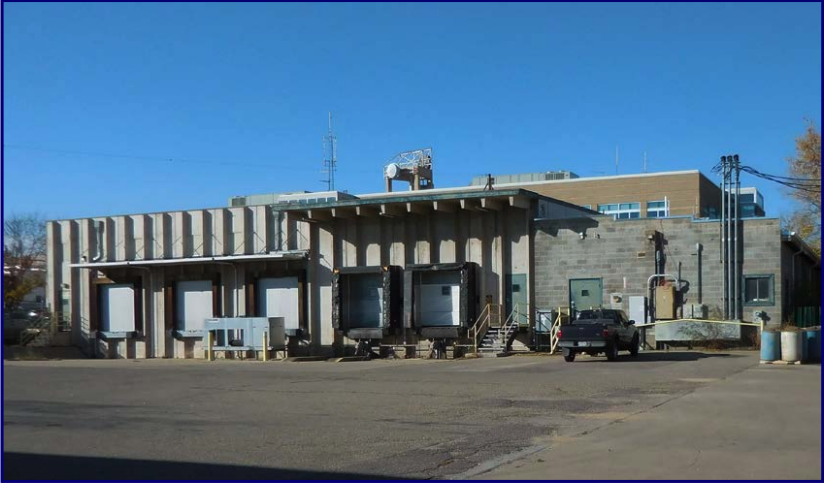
[[414, 167]]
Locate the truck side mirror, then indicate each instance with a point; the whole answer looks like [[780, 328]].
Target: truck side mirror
[[631, 322]]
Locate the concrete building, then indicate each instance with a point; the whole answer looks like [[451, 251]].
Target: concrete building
[[406, 268], [141, 285]]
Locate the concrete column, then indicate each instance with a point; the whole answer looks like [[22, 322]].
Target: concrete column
[[238, 218], [178, 235], [197, 226], [138, 229], [397, 254], [219, 232], [261, 229], [53, 265], [81, 314]]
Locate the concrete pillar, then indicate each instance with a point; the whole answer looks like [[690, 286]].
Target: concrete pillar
[[198, 240], [220, 232], [178, 234], [260, 230]]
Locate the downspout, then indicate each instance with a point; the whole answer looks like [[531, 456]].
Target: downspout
[[792, 289], [99, 237]]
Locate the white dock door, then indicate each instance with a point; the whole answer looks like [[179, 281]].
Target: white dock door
[[117, 307], [193, 304], [279, 298]]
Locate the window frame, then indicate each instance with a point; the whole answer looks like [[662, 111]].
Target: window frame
[[771, 286], [618, 211], [657, 210]]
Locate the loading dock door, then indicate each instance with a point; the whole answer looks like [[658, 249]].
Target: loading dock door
[[279, 298], [117, 307], [585, 293], [193, 304], [439, 299], [364, 301]]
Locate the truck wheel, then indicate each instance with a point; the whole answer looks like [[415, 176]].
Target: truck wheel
[[612, 351], [636, 344], [569, 356]]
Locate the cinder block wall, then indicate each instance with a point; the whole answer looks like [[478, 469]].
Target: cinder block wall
[[619, 252]]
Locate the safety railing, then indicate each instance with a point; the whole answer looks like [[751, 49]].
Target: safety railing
[[563, 313], [491, 314]]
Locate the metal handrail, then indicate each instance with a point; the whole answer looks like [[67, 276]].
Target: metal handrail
[[483, 323], [556, 327]]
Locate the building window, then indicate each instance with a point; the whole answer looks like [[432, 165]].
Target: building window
[[621, 210], [657, 209], [589, 207], [758, 290]]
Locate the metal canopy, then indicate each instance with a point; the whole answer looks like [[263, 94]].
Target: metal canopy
[[281, 255]]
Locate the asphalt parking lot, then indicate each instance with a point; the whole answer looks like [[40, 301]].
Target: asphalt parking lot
[[175, 419]]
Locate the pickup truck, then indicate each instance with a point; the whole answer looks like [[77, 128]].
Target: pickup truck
[[599, 331]]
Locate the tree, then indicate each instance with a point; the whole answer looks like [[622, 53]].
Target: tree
[[806, 165], [24, 256]]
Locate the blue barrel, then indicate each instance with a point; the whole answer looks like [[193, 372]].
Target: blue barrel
[[770, 345], [812, 344]]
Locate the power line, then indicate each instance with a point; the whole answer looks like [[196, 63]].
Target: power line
[[162, 159]]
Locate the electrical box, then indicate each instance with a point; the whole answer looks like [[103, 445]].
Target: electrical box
[[665, 302], [695, 311], [638, 309], [616, 301]]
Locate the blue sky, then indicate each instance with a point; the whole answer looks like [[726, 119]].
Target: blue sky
[[491, 87]]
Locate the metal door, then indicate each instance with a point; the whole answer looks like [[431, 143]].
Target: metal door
[[193, 304], [279, 298], [516, 295], [585, 293], [117, 307]]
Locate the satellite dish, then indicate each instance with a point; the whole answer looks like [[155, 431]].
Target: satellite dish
[[392, 170]]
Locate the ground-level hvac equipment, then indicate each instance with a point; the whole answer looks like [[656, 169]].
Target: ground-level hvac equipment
[[366, 301], [245, 334], [440, 299]]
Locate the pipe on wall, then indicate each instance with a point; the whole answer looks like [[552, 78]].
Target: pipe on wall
[[99, 242]]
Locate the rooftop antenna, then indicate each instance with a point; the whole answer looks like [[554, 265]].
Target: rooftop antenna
[[616, 159], [330, 156]]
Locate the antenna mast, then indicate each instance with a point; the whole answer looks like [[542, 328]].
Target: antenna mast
[[330, 156]]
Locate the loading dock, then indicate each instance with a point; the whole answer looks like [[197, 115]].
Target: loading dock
[[366, 301], [440, 299]]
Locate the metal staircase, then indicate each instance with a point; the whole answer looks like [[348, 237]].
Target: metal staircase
[[492, 336]]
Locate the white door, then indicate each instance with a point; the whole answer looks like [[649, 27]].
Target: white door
[[439, 305], [117, 307], [279, 298], [193, 304]]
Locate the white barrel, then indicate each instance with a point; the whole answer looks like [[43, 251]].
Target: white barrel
[[791, 346]]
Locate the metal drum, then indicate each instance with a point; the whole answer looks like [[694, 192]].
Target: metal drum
[[770, 346], [791, 345]]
